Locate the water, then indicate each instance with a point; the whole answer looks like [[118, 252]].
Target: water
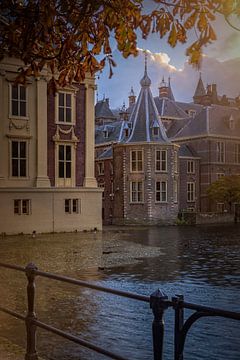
[[202, 263]]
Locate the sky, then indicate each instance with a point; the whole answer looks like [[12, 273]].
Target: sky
[[221, 65]]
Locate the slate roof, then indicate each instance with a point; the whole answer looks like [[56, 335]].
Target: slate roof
[[213, 120], [106, 154], [102, 110], [145, 115], [113, 130], [189, 106], [169, 108], [176, 126], [187, 151], [200, 90]]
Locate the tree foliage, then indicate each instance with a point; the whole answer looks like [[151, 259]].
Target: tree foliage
[[226, 190], [73, 37]]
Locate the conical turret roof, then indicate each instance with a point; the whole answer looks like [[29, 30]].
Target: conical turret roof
[[145, 115], [200, 90]]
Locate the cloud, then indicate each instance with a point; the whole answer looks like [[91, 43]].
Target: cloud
[[183, 80], [160, 58]]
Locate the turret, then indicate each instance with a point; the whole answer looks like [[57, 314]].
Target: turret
[[199, 92], [131, 98], [163, 89]]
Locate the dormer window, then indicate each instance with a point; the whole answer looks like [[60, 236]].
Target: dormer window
[[191, 112], [155, 131], [105, 134], [126, 131]]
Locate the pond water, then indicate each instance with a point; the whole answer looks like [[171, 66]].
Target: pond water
[[202, 263]]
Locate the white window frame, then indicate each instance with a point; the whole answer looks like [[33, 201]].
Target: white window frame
[[18, 158], [19, 101], [139, 191], [74, 206], [65, 181], [221, 152], [161, 191], [191, 167], [191, 191], [19, 206], [161, 163], [73, 107], [138, 161]]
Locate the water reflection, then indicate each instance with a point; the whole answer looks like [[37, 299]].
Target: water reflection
[[200, 262]]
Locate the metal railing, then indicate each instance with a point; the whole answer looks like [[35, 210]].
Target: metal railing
[[158, 301]]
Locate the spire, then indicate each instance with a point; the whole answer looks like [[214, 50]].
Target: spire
[[170, 93], [200, 91], [145, 82]]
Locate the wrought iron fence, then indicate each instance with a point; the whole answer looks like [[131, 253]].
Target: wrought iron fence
[[159, 302]]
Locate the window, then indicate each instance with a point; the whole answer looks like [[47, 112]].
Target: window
[[220, 207], [237, 153], [65, 113], [191, 112], [136, 160], [136, 191], [191, 191], [111, 168], [64, 161], [19, 158], [22, 207], [101, 168], [161, 160], [219, 175], [220, 152], [161, 191], [72, 206], [191, 167], [18, 100], [155, 131]]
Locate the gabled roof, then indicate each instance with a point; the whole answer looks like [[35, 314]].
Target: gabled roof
[[213, 120], [143, 116], [102, 110]]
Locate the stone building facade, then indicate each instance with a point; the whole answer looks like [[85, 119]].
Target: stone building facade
[[47, 180]]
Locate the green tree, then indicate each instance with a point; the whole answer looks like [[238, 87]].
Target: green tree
[[72, 37], [226, 190]]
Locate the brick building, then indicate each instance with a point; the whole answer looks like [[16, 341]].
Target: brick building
[[198, 142]]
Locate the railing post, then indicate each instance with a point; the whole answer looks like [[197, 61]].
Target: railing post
[[179, 321], [158, 303], [31, 353]]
